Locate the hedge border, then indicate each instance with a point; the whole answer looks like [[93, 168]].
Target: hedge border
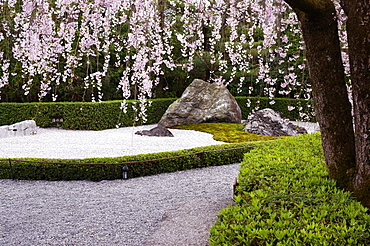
[[108, 115], [80, 115], [97, 169], [285, 197]]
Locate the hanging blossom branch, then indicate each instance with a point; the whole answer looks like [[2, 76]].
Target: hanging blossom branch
[[279, 68], [191, 36], [264, 22], [4, 33], [250, 44], [148, 49], [35, 46], [53, 43], [67, 14]]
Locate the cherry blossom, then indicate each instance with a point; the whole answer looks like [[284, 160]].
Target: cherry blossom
[[255, 45]]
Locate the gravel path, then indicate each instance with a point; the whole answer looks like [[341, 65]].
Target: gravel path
[[167, 209]]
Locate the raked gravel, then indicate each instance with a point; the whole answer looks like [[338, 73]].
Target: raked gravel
[[70, 144], [141, 211], [120, 212]]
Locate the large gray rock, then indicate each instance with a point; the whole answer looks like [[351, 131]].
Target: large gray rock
[[271, 123], [202, 102]]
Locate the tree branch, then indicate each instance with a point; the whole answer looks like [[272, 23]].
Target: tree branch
[[308, 6], [346, 5]]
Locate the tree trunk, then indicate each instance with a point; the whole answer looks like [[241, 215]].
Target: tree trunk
[[332, 106], [358, 30], [207, 48]]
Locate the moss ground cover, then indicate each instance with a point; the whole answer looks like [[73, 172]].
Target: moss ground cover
[[286, 198], [226, 132]]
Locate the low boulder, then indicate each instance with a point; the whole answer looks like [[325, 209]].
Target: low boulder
[[202, 102], [158, 131], [271, 123], [23, 128]]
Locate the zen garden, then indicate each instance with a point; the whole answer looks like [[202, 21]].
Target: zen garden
[[97, 92]]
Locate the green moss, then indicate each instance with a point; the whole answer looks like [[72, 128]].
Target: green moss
[[227, 132]]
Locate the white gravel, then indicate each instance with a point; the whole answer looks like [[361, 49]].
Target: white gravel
[[116, 212], [69, 144], [167, 209]]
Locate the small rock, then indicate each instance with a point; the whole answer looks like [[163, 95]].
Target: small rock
[[158, 131]]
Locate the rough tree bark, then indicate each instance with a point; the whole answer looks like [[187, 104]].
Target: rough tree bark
[[333, 109], [358, 30], [346, 154]]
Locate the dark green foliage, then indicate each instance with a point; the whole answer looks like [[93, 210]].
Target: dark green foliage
[[107, 114], [285, 198], [281, 105], [109, 170], [79, 115]]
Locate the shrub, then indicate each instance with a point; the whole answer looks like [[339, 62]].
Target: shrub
[[79, 115], [285, 198], [109, 168], [107, 114]]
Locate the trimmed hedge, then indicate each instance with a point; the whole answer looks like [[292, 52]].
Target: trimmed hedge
[[107, 115], [285, 198], [79, 115], [44, 171]]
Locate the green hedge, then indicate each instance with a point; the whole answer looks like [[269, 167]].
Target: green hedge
[[43, 171], [79, 115], [107, 115], [285, 198]]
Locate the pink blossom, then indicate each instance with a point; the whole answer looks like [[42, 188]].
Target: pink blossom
[[54, 41]]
